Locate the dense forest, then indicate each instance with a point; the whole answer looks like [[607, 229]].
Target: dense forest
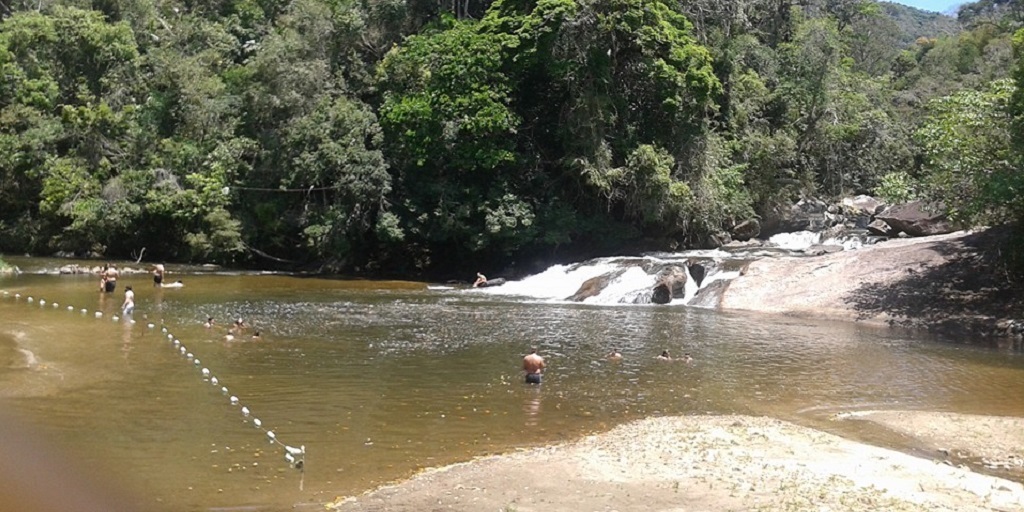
[[424, 137]]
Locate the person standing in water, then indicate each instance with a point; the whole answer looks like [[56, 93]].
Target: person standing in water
[[110, 278], [129, 301], [158, 274], [533, 365]]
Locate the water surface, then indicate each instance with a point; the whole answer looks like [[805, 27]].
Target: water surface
[[381, 379]]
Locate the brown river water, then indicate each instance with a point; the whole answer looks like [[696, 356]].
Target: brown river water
[[379, 379]]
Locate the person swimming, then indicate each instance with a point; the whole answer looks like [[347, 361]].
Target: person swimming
[[614, 355], [664, 356]]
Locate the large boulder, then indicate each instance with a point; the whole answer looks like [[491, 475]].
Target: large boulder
[[711, 295], [863, 205], [671, 284], [805, 215], [879, 227], [746, 230], [917, 219], [592, 287]]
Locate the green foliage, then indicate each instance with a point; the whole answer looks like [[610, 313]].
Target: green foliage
[[335, 150], [966, 141], [720, 198], [446, 101], [897, 187], [407, 136], [1017, 100]]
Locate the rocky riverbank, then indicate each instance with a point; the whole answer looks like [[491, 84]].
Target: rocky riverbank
[[949, 283], [723, 463]]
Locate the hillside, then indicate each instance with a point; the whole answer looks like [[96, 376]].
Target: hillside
[[914, 23]]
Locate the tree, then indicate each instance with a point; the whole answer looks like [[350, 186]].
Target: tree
[[450, 132], [968, 160]]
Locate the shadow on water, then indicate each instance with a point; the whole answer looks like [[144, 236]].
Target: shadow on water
[[967, 294]]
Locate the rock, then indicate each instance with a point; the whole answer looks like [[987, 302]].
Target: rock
[[916, 219], [863, 205], [719, 239], [805, 215], [818, 250], [671, 284], [879, 227], [746, 230], [710, 295], [593, 286], [697, 271]]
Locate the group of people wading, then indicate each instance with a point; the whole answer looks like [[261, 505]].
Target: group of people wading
[[108, 283]]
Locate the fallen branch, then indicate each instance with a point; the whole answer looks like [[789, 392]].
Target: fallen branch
[[267, 256]]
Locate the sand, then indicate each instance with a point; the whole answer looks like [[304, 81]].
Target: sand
[[712, 463]]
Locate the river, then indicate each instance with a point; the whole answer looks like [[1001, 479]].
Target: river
[[379, 379]]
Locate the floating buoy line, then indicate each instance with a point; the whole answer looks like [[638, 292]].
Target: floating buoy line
[[294, 456]]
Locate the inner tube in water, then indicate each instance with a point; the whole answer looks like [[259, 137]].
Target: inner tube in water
[[493, 282]]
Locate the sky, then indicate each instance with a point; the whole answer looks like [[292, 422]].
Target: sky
[[932, 5]]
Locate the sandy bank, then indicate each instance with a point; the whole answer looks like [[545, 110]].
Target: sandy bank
[[697, 463]]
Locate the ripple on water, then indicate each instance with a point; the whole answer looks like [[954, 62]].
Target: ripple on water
[[381, 382]]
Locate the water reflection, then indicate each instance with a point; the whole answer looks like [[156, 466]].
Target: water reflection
[[381, 379], [531, 406]]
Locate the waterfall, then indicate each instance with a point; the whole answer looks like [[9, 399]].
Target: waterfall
[[631, 280], [621, 280]]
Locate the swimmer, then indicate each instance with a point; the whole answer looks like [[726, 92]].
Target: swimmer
[[687, 358], [664, 356], [533, 364], [614, 355], [209, 322], [256, 335]]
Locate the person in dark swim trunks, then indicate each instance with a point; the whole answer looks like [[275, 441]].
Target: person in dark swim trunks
[[533, 365], [111, 279], [158, 274]]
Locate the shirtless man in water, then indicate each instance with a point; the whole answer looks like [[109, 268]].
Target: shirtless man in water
[[110, 273], [533, 364], [158, 274]]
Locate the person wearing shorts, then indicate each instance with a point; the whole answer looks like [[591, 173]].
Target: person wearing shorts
[[158, 274], [111, 282], [533, 365]]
